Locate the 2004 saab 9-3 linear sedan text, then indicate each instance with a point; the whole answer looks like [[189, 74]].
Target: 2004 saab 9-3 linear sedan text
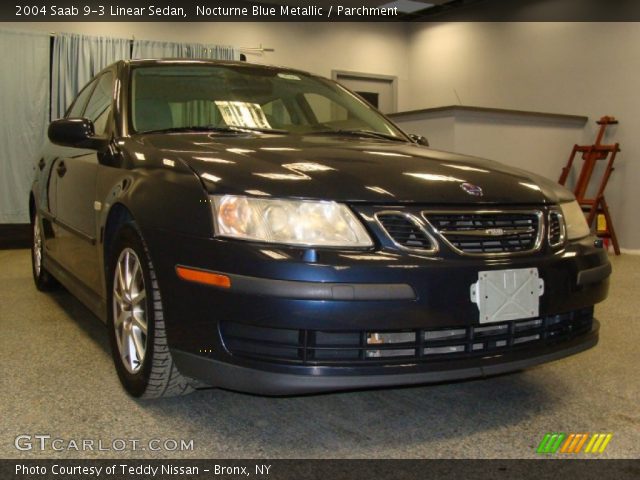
[[265, 230]]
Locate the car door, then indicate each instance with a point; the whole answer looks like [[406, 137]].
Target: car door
[[54, 154], [76, 208]]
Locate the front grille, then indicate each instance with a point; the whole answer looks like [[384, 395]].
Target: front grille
[[488, 233], [317, 347], [556, 228], [405, 230]]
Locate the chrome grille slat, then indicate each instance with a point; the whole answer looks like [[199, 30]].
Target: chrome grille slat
[[556, 228], [488, 232], [406, 231]]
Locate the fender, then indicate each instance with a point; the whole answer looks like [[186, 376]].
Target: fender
[[144, 188]]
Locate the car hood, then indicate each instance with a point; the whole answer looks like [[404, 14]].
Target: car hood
[[346, 169]]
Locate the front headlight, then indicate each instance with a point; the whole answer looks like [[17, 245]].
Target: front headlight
[[291, 222], [575, 221]]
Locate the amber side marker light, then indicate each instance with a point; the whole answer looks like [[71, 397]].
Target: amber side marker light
[[200, 276]]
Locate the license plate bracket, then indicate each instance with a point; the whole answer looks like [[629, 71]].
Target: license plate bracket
[[503, 295]]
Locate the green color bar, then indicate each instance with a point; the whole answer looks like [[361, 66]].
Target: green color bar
[[556, 446], [543, 443], [550, 443]]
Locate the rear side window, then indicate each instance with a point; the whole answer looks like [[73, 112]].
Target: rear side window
[[99, 105], [77, 107]]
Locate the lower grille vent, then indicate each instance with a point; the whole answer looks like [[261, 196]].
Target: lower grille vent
[[316, 347]]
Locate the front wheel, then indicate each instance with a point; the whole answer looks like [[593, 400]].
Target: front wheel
[[136, 322], [41, 277]]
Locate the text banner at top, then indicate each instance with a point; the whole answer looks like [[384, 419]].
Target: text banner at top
[[194, 11], [317, 11]]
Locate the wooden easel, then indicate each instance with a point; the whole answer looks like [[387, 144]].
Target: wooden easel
[[591, 154]]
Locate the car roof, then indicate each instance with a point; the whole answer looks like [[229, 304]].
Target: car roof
[[190, 61]]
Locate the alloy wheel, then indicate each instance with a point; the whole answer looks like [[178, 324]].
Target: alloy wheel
[[37, 246], [130, 310]]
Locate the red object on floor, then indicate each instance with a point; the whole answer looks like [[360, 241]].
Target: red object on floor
[[592, 154]]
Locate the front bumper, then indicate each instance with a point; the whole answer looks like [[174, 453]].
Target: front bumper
[[265, 382], [349, 291]]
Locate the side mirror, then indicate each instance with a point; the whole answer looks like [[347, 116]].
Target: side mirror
[[76, 132], [419, 139]]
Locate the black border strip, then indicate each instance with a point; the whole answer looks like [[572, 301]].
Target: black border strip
[[561, 467], [450, 11]]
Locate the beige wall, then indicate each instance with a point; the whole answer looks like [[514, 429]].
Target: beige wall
[[574, 68], [523, 141]]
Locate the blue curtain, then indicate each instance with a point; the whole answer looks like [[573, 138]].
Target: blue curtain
[[24, 105], [155, 49], [76, 59]]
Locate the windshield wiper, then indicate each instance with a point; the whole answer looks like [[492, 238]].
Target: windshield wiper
[[359, 133], [217, 129], [230, 128]]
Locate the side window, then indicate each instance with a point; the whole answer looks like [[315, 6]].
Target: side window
[[99, 105], [77, 107]]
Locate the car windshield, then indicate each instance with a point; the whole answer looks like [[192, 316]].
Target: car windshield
[[237, 99]]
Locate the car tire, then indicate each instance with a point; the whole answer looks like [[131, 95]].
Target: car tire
[[136, 321], [41, 277]]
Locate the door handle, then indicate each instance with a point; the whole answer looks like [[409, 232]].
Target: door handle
[[62, 169], [41, 163]]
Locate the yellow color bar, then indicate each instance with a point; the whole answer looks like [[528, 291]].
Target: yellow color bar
[[596, 445], [591, 442], [607, 439]]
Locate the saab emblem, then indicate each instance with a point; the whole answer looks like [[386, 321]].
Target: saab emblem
[[471, 189]]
